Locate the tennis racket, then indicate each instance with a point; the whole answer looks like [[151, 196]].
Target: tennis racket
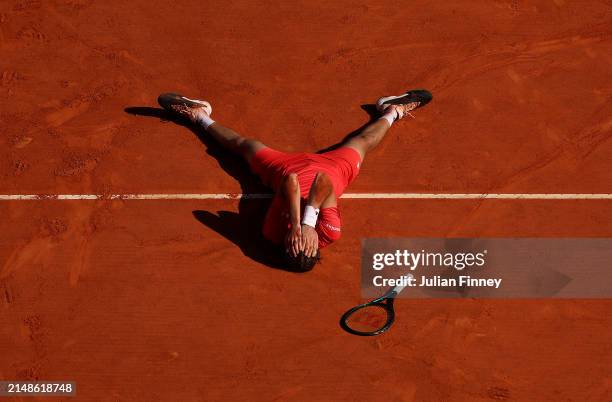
[[372, 318]]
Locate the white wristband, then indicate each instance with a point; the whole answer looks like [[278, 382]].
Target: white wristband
[[310, 216]]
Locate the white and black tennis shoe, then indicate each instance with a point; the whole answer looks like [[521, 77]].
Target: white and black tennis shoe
[[404, 103]]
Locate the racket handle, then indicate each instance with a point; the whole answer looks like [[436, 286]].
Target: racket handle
[[399, 288]]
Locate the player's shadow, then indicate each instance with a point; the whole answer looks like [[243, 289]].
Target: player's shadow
[[242, 228], [373, 114]]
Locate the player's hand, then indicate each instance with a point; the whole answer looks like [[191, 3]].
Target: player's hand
[[294, 242], [311, 241]]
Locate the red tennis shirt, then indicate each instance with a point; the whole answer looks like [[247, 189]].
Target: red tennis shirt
[[341, 165]]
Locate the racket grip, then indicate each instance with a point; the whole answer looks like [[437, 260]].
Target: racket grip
[[399, 288]]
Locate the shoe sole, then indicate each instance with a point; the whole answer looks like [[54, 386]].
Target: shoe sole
[[170, 99], [415, 95]]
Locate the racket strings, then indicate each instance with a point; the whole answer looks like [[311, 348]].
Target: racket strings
[[368, 319]]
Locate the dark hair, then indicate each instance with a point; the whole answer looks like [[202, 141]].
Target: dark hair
[[301, 263]]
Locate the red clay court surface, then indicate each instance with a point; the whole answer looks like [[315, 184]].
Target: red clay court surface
[[139, 300]]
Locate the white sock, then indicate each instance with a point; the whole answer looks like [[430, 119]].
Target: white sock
[[390, 116], [205, 121]]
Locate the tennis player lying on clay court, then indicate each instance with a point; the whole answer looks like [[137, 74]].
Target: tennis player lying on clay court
[[303, 215]]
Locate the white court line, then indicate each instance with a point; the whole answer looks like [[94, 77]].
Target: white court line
[[384, 196]]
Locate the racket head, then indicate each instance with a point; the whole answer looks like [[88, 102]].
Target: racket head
[[369, 319]]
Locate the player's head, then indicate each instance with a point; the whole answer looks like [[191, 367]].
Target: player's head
[[300, 262]]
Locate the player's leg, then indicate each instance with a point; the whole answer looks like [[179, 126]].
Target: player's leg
[[234, 142], [199, 112], [392, 108], [369, 137]]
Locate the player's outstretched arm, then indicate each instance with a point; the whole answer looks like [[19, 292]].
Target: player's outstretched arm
[[290, 191], [321, 193]]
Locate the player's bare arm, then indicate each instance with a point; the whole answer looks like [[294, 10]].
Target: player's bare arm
[[290, 193], [321, 194]]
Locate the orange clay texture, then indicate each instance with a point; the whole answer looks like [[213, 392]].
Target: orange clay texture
[[169, 300]]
